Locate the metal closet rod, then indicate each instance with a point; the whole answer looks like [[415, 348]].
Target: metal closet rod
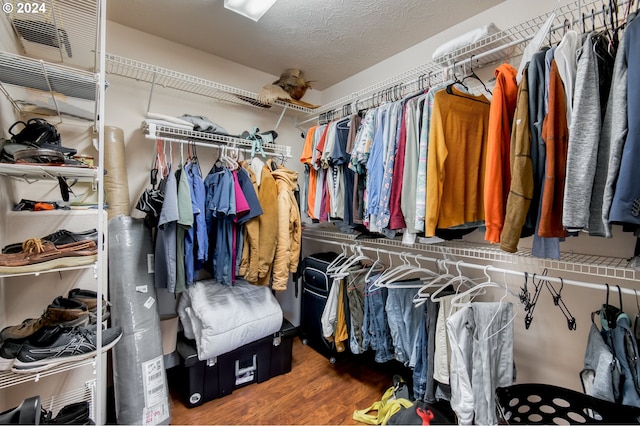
[[216, 145], [485, 268]]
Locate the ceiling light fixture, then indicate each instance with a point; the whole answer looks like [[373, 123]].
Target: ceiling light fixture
[[252, 9]]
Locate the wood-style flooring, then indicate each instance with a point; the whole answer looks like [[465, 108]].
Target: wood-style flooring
[[314, 392]]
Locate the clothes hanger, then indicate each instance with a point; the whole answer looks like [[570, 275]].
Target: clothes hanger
[[460, 279], [375, 264], [391, 282], [357, 257], [557, 300], [383, 278], [456, 301], [528, 319], [337, 260], [474, 75], [423, 295], [513, 317]]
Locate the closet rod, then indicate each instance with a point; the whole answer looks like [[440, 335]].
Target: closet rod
[[487, 268], [213, 145]]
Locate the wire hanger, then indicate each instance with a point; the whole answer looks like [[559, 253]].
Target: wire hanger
[[528, 319], [474, 75], [557, 300]]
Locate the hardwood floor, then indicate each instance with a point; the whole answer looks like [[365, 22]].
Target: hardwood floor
[[314, 392]]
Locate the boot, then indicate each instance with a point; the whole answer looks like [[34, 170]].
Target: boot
[[61, 311]]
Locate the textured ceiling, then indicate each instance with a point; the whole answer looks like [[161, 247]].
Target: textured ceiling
[[330, 40]]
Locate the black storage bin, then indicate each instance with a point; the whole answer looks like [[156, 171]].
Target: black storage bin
[[281, 349], [256, 362]]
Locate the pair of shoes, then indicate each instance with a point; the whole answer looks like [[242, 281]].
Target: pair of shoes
[[10, 347], [76, 413], [90, 298], [58, 238], [27, 413], [62, 311], [66, 344], [40, 255]]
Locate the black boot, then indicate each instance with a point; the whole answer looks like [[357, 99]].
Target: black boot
[[27, 413]]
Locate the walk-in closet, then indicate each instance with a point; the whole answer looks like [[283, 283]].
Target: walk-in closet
[[406, 212]]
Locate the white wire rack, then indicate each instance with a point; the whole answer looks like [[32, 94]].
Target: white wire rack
[[163, 77], [209, 140], [601, 266], [8, 378], [32, 172], [495, 48], [34, 85], [56, 31]]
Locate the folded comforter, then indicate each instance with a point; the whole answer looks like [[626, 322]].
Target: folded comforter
[[222, 318]]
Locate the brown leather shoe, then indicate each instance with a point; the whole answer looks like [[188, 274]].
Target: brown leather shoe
[[61, 311], [39, 255]]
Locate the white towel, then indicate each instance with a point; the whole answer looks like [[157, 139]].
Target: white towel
[[465, 40]]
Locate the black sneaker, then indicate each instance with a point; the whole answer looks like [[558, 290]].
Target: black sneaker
[[72, 414], [10, 347], [71, 344]]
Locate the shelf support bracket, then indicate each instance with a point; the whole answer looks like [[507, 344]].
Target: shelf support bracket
[[284, 110], [53, 96], [153, 86]]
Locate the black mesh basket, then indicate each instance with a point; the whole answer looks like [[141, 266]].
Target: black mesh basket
[[532, 403]]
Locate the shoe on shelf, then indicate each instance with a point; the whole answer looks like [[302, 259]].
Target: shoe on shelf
[[72, 344], [58, 238], [76, 413], [9, 348], [40, 255], [27, 413], [90, 298], [61, 311]]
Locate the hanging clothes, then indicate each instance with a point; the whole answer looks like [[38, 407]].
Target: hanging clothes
[[613, 135], [555, 136], [165, 249], [196, 241], [458, 135], [287, 250], [522, 182], [625, 207], [481, 339], [498, 176]]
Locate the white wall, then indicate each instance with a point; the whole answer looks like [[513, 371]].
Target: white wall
[[548, 352]]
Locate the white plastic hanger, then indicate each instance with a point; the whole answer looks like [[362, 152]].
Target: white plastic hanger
[[335, 262], [422, 295], [459, 279], [392, 281], [506, 293]]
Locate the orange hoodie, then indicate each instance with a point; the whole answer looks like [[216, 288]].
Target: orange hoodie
[[498, 174]]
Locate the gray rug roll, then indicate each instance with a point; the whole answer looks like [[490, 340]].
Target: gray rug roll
[[140, 382]]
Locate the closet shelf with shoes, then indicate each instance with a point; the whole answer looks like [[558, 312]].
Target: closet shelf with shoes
[[53, 66], [9, 378], [158, 76], [174, 134]]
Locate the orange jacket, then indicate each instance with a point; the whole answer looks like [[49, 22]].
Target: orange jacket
[[498, 176], [555, 135]]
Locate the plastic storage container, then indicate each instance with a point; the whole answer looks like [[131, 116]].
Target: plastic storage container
[[255, 362]]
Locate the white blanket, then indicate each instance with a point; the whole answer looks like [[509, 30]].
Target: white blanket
[[465, 40], [222, 318]]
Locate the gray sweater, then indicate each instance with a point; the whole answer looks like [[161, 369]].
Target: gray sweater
[[584, 135], [613, 136]]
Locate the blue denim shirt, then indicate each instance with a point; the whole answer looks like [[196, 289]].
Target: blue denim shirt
[[196, 243]]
